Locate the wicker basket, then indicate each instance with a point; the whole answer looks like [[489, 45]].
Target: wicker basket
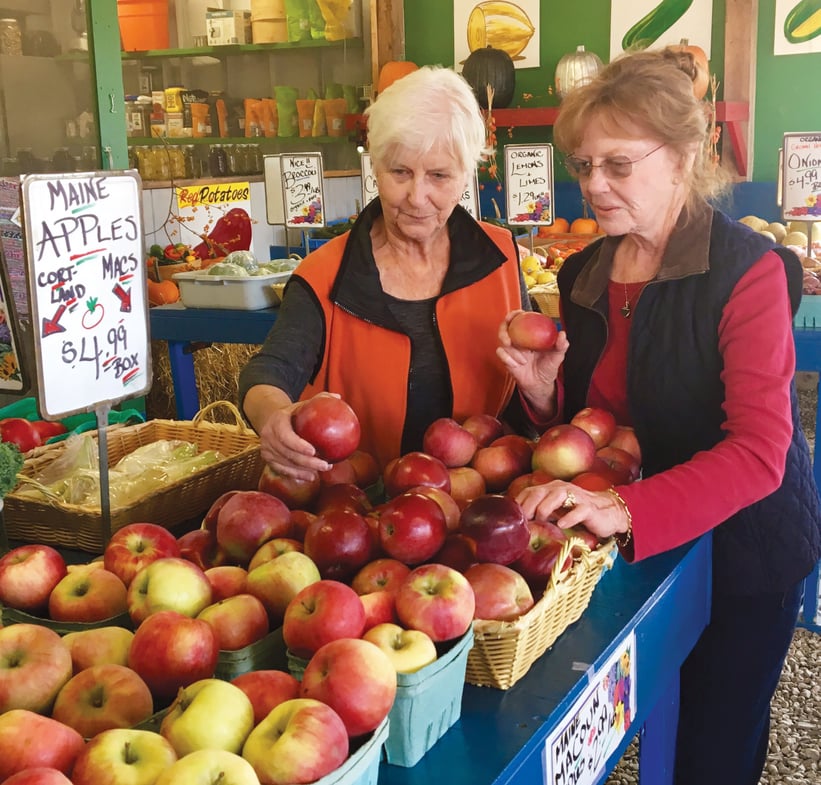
[[30, 519], [504, 651], [547, 300]]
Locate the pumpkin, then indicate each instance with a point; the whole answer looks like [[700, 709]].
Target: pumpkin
[[162, 292], [393, 70], [701, 81], [493, 67], [575, 69]]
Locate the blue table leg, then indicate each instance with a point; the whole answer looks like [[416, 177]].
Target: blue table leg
[[184, 380], [811, 585], [657, 740]]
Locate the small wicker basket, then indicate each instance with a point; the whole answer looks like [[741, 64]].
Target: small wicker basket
[[503, 651], [31, 519], [546, 299]]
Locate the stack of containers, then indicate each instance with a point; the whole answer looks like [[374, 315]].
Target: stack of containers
[[268, 22]]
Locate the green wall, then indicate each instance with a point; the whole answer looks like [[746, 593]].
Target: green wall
[[786, 96]]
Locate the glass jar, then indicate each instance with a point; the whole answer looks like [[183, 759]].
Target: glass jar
[[11, 37], [217, 161], [189, 157]]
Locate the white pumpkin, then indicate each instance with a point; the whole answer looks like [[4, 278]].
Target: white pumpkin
[[575, 69]]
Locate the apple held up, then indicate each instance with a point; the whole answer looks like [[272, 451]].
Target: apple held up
[[266, 689], [502, 594], [208, 714], [237, 621], [207, 767], [88, 596], [301, 740], [136, 545], [98, 646], [29, 740], [35, 663], [339, 542], [356, 679], [28, 573], [103, 697], [412, 527], [450, 442], [407, 650], [329, 424], [122, 755], [247, 520], [532, 330], [564, 451], [169, 583], [497, 525], [276, 582]]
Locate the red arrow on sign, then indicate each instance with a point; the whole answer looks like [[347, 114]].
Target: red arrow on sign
[[52, 326], [124, 297]]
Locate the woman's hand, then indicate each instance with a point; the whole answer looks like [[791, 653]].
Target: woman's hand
[[535, 372], [599, 511]]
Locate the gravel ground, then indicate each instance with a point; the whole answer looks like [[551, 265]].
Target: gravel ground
[[795, 736]]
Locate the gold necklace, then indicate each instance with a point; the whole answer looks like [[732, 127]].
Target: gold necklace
[[627, 308]]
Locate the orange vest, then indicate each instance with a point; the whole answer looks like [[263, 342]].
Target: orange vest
[[368, 364]]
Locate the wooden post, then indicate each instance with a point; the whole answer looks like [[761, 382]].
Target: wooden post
[[740, 32], [387, 33]]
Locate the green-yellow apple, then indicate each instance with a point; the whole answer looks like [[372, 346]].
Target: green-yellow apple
[[28, 739], [38, 775], [408, 650], [136, 545], [356, 679], [87, 596], [278, 581], [226, 580], [169, 583], [171, 650], [28, 573], [98, 646], [273, 548], [237, 621], [301, 740], [266, 689], [34, 665], [103, 697], [208, 714], [209, 767], [123, 755]]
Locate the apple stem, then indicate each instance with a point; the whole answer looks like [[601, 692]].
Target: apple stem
[[128, 756]]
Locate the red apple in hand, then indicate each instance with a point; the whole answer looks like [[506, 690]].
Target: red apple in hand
[[248, 519], [450, 442], [134, 546], [485, 427], [329, 424], [532, 330], [564, 451], [498, 526], [412, 527], [339, 542], [502, 594], [28, 573], [599, 423]]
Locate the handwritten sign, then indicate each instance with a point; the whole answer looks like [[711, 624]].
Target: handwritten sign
[[87, 280], [578, 748], [529, 183], [369, 189], [801, 177], [302, 189], [470, 197]]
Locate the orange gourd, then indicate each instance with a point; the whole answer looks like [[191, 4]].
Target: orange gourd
[[701, 81], [162, 292], [393, 70], [584, 226]]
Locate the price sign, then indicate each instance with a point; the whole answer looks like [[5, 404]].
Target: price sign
[[369, 189], [87, 281], [801, 177], [302, 190], [529, 184], [470, 197]]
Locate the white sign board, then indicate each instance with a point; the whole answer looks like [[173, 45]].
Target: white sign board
[[801, 177], [529, 184], [293, 190], [470, 197], [87, 281], [369, 189], [578, 748]]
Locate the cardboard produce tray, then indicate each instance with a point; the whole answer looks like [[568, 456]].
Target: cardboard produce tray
[[39, 519]]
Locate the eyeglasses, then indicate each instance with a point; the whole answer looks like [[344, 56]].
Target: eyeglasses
[[614, 168]]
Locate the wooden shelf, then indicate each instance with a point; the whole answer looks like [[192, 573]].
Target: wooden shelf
[[241, 49]]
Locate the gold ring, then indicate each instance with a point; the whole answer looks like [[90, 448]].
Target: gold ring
[[569, 501]]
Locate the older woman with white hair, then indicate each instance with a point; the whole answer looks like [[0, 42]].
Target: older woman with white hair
[[399, 316]]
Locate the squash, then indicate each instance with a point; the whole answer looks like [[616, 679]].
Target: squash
[[575, 69], [701, 81], [494, 68], [500, 24], [393, 70], [162, 292]]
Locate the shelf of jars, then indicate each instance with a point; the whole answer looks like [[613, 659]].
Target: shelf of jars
[[227, 50]]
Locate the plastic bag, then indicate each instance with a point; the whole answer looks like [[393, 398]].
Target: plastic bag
[[336, 18]]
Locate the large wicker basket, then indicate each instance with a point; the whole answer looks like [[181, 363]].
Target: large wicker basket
[[32, 519], [504, 651]]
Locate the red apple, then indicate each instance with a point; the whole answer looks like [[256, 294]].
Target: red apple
[[356, 679], [564, 451], [412, 527], [266, 689], [237, 621], [436, 599], [459, 552], [200, 547], [343, 496], [38, 775], [365, 468], [596, 480], [416, 468], [209, 521], [28, 740], [340, 472], [321, 612], [34, 665], [599, 423], [485, 427], [626, 465], [276, 547], [502, 594], [380, 607], [503, 460], [532, 330], [103, 697], [339, 542], [625, 439], [226, 580], [384, 574], [248, 519], [300, 521], [585, 535], [276, 582], [20, 432], [28, 573], [295, 493], [88, 596], [329, 424], [537, 562], [526, 480], [135, 545], [450, 442], [168, 584], [98, 646], [448, 504], [466, 483], [498, 526], [171, 650]]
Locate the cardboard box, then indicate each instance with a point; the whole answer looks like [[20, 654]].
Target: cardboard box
[[228, 27]]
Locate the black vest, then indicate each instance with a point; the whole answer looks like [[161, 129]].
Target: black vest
[[675, 394]]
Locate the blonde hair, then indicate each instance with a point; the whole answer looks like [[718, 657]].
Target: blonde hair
[[648, 92], [432, 107]]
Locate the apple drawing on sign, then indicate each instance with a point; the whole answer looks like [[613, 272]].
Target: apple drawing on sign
[[329, 424], [28, 573]]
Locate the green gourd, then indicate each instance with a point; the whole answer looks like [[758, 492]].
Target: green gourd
[[653, 24]]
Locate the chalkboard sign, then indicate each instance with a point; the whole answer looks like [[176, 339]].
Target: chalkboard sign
[[529, 183], [87, 283], [369, 190], [801, 177]]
